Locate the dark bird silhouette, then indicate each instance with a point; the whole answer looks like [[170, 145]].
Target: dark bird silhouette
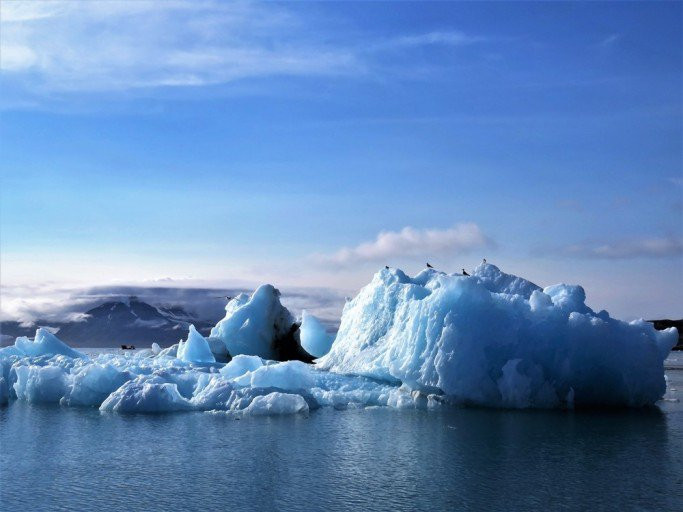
[[224, 297], [484, 260], [464, 272], [429, 266], [386, 266]]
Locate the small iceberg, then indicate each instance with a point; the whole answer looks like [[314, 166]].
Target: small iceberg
[[196, 349]]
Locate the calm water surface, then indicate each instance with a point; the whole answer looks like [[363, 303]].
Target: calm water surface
[[54, 458]]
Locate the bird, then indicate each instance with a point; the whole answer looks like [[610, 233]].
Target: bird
[[484, 261], [224, 297], [386, 266], [464, 272], [429, 266]]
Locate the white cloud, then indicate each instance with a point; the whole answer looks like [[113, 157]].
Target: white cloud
[[103, 46], [609, 40], [446, 38], [91, 46], [653, 247], [410, 243]]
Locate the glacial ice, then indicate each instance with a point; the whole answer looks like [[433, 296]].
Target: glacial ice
[[44, 344], [40, 383], [252, 324], [146, 394], [496, 340], [195, 349], [277, 403], [314, 338], [489, 339], [240, 365]]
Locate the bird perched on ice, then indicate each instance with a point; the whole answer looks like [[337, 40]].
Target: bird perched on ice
[[464, 272], [484, 261], [429, 266], [386, 266]]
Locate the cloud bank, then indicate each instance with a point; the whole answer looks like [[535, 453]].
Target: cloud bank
[[654, 247], [46, 304], [410, 243]]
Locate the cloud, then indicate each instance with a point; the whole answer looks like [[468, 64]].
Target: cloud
[[676, 180], [104, 46], [654, 247], [410, 242], [609, 40], [57, 46], [443, 38]]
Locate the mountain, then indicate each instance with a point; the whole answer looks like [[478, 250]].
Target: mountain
[[132, 322]]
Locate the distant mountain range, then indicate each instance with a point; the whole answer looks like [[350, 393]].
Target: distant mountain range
[[132, 322]]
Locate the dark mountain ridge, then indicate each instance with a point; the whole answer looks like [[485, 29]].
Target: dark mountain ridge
[[114, 323]]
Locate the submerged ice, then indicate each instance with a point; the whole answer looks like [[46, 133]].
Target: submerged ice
[[489, 339]]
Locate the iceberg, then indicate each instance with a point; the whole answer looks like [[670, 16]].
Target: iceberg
[[90, 385], [259, 325], [196, 349], [494, 339], [288, 375], [146, 394], [490, 339], [36, 384], [44, 344], [277, 403], [240, 365], [314, 338]]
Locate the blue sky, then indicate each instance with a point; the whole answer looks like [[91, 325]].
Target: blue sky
[[309, 144]]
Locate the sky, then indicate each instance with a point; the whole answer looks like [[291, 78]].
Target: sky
[[308, 144]]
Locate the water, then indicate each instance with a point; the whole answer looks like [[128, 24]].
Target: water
[[54, 458]]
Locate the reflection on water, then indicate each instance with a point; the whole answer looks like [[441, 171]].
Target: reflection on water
[[73, 459]]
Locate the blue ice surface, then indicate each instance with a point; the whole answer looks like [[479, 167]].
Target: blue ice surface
[[490, 339], [493, 339], [196, 349], [314, 338]]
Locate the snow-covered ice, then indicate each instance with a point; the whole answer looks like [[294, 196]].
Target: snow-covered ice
[[488, 339]]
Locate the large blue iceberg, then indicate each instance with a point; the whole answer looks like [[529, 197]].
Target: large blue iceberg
[[490, 339], [494, 339]]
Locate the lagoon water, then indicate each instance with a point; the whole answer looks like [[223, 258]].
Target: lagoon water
[[59, 458]]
